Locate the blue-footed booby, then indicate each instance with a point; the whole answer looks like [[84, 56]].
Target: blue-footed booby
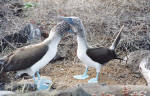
[[30, 59], [92, 57]]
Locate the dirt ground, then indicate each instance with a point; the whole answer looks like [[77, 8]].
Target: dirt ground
[[112, 74], [102, 20], [61, 72]]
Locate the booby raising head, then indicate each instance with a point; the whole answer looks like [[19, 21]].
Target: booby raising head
[[94, 57], [30, 59]]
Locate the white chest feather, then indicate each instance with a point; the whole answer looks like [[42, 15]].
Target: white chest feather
[[81, 53], [52, 41], [50, 54], [87, 61]]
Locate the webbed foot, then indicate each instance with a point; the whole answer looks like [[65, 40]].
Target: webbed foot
[[84, 76], [93, 80], [43, 84]]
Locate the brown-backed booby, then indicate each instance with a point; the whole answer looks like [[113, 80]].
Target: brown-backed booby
[[93, 57], [30, 59]]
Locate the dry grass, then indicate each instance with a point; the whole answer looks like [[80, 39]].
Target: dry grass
[[102, 20]]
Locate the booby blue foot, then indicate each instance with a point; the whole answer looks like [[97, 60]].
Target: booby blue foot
[[84, 76], [81, 76], [42, 84], [38, 75], [93, 80]]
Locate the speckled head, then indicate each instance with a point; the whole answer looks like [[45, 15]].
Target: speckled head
[[62, 27], [75, 22]]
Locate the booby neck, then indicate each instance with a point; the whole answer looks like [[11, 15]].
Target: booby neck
[[54, 37], [56, 33], [82, 42]]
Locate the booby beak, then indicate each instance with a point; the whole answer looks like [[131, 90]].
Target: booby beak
[[67, 19]]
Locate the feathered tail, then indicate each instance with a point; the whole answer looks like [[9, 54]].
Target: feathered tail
[[117, 39]]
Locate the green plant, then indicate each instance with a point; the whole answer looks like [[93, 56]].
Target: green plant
[[29, 5]]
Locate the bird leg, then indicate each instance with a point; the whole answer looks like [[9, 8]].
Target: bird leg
[[37, 82], [34, 78], [84, 76], [38, 75], [42, 84], [94, 80]]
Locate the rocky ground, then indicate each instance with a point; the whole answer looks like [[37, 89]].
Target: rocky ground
[[102, 20]]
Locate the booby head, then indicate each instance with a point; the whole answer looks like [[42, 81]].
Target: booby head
[[75, 22], [62, 27]]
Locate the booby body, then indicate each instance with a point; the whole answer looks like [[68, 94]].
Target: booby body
[[92, 57], [32, 58]]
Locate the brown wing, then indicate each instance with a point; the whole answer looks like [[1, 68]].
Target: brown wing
[[101, 55], [25, 57]]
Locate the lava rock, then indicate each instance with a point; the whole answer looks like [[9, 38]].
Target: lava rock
[[29, 34], [134, 45], [134, 59]]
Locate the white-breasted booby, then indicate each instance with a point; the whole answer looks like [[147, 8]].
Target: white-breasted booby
[[93, 57], [30, 59]]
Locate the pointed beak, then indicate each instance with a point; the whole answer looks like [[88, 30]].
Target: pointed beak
[[67, 19], [70, 31]]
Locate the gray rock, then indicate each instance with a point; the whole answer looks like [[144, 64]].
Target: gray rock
[[115, 90], [4, 93], [78, 92], [20, 87], [134, 59], [26, 85], [29, 34], [133, 45], [69, 92], [94, 89]]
